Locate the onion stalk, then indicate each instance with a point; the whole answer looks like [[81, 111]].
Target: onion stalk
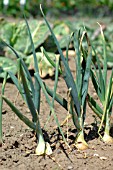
[[1, 104]]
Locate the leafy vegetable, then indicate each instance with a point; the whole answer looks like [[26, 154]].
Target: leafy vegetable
[[6, 65]]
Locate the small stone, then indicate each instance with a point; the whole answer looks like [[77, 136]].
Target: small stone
[[12, 127], [96, 154], [103, 158], [58, 151], [3, 159], [28, 146], [7, 135], [22, 148], [69, 167], [27, 153]]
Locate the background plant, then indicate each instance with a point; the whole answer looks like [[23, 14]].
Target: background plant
[[14, 8], [13, 33]]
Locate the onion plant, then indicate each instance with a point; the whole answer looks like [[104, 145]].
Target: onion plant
[[104, 91], [78, 87], [32, 99], [30, 92]]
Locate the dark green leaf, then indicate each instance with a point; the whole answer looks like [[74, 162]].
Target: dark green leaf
[[19, 114], [28, 95]]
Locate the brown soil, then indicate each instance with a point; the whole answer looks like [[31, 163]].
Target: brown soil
[[19, 142]]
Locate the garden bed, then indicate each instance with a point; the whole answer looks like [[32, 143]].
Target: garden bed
[[19, 142]]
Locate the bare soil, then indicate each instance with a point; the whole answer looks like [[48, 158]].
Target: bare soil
[[19, 142]]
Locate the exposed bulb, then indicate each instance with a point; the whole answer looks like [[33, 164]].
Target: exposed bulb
[[40, 150], [48, 150], [107, 138]]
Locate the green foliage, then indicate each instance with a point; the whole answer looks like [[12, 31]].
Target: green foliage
[[24, 54], [104, 92], [108, 3], [54, 6], [78, 88], [30, 92], [6, 65], [45, 68], [13, 34], [1, 104]]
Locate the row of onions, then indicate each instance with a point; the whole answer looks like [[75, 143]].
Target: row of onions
[[78, 94]]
